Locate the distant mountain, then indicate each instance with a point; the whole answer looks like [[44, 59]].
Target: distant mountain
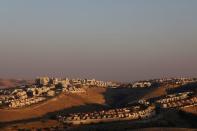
[[10, 83]]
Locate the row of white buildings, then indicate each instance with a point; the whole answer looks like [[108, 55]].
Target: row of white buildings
[[17, 103], [174, 97], [108, 115], [73, 82]]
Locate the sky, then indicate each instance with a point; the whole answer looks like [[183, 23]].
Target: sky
[[122, 40]]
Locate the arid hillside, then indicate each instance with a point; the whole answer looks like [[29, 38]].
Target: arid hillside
[[10, 83], [156, 93], [93, 96]]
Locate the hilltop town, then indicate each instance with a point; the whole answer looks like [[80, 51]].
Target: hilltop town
[[45, 88]]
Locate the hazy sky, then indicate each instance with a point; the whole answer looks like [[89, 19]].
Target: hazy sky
[[121, 40]]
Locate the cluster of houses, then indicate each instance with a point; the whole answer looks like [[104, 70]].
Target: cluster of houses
[[129, 113], [74, 82], [17, 98], [141, 84], [92, 83], [44, 88], [175, 81], [40, 91], [74, 90], [182, 103], [25, 102], [159, 82], [178, 100], [174, 97]]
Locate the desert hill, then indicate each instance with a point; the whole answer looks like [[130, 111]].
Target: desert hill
[[93, 96], [10, 83]]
